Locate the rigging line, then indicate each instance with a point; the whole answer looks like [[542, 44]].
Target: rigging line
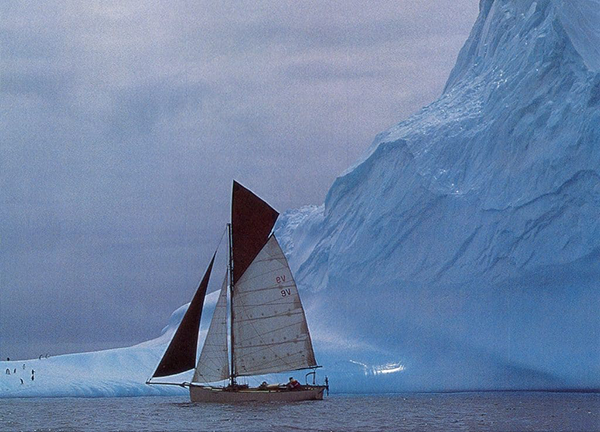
[[217, 250], [166, 350], [222, 235]]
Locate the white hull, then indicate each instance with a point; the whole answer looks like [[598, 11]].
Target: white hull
[[220, 395]]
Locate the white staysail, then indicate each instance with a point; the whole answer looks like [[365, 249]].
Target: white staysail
[[213, 364], [269, 325]]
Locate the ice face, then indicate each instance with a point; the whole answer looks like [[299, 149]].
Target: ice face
[[464, 244]]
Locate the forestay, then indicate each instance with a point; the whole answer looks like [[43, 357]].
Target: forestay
[[269, 325], [213, 364], [181, 352]]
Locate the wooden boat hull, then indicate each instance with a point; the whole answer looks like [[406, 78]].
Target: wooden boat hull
[[220, 395]]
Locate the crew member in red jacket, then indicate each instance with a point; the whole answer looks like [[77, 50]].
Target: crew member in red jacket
[[293, 384]]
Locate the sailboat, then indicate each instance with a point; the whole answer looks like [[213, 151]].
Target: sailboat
[[258, 325]]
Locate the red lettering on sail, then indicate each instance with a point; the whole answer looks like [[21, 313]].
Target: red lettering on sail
[[280, 279]]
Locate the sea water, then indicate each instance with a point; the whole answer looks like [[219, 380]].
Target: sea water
[[507, 411]]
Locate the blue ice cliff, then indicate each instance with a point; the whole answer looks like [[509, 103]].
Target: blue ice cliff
[[463, 249], [462, 252]]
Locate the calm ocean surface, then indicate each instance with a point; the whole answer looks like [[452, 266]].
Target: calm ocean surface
[[410, 412]]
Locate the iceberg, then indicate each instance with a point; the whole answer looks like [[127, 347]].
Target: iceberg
[[464, 244], [461, 252]]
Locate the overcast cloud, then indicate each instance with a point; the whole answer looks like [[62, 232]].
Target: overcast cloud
[[123, 123]]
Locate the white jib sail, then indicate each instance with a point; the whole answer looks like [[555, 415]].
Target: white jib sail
[[269, 326], [213, 364]]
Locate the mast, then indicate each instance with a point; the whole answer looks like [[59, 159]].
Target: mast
[[252, 221], [230, 270]]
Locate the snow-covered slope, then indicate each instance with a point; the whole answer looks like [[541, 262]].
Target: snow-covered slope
[[465, 244], [116, 372]]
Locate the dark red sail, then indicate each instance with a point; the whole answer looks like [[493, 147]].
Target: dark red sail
[[181, 353], [252, 220]]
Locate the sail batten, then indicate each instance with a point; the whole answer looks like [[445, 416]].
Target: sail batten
[[265, 317]]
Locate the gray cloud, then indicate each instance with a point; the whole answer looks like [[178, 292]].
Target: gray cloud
[[43, 86], [138, 109], [318, 71], [122, 125]]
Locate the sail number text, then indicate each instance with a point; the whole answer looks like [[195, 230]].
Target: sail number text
[[284, 292]]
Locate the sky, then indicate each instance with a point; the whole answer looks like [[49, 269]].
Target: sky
[[123, 124]]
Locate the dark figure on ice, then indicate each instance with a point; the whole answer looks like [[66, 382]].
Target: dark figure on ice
[[7, 371], [21, 381]]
